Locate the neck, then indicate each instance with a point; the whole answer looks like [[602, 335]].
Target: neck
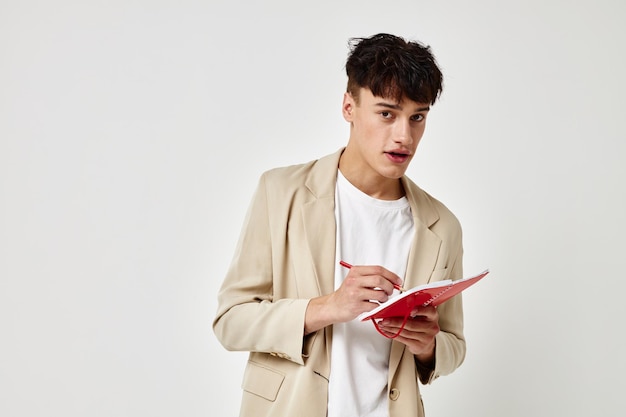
[[369, 181]]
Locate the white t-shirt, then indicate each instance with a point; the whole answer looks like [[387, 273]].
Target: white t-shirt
[[369, 232]]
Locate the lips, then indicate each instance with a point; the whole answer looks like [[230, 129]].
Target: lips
[[397, 156]]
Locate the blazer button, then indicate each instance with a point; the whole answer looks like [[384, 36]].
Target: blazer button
[[394, 394]]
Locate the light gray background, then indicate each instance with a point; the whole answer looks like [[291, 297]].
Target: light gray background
[[132, 135]]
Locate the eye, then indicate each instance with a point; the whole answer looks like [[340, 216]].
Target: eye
[[385, 114], [417, 117]]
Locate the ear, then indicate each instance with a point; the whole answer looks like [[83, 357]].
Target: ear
[[348, 106]]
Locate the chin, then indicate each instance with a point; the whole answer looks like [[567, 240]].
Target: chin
[[394, 175]]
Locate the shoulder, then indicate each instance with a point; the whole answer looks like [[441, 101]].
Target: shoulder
[[318, 176], [296, 173]]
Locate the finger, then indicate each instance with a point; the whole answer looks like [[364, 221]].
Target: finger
[[361, 292], [422, 328], [428, 312], [374, 282], [377, 270], [401, 334], [393, 325], [371, 294], [417, 326], [367, 305]]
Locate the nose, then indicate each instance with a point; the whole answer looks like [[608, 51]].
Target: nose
[[402, 132]]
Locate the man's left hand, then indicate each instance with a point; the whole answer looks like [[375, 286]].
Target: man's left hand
[[419, 332]]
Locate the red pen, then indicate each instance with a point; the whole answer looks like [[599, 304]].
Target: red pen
[[347, 265]]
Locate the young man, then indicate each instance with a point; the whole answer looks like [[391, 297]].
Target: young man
[[287, 300]]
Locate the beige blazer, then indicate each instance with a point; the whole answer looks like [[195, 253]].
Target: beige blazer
[[286, 256]]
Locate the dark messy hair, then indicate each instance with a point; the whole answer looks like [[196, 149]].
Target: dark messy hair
[[391, 67]]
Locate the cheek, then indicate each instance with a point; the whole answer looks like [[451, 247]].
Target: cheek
[[418, 133], [369, 131]]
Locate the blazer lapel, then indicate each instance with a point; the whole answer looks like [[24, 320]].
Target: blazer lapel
[[319, 220], [425, 246], [423, 254]]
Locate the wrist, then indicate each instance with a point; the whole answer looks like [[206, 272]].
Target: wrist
[[316, 315], [427, 358]]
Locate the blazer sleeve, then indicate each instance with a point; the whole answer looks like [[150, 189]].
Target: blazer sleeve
[[248, 317]]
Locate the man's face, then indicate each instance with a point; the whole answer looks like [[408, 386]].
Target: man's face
[[384, 133]]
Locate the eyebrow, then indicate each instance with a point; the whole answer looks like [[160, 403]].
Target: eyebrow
[[399, 107]]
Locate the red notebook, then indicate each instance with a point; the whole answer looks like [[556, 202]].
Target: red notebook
[[433, 294]]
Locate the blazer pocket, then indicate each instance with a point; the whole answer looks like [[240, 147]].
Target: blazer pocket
[[439, 275], [262, 381]]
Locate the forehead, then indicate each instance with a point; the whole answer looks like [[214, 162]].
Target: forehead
[[366, 97]]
